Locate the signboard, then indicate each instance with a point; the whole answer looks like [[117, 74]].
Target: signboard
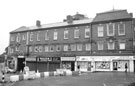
[[30, 59], [83, 58], [43, 59], [67, 58], [54, 59]]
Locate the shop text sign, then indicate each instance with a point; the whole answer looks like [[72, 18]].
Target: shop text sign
[[67, 58]]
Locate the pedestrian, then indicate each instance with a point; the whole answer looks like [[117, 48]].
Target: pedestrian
[[78, 69], [126, 67]]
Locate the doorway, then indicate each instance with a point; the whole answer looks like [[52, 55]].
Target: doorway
[[115, 64], [134, 65], [20, 64], [72, 66]]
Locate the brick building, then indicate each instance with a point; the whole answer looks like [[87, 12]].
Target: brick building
[[104, 43]]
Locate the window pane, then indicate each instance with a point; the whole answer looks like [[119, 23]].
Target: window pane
[[66, 34], [65, 47], [87, 32], [58, 48], [73, 47], [46, 35], [55, 35], [100, 31], [88, 47], [46, 49], [79, 47], [110, 45], [76, 33], [121, 29], [100, 45], [110, 30], [122, 45]]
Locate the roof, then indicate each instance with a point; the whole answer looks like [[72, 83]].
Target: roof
[[112, 15], [22, 28], [59, 24]]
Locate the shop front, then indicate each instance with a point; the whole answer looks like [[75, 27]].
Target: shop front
[[68, 63], [85, 63]]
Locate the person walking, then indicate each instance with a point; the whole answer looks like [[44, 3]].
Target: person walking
[[126, 67]]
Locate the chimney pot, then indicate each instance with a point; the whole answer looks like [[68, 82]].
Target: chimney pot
[[38, 24]]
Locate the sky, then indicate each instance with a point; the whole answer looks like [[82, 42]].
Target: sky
[[17, 13]]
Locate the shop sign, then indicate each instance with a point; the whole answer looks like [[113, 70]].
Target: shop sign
[[124, 57], [83, 58], [43, 59], [67, 58], [30, 59], [54, 59]]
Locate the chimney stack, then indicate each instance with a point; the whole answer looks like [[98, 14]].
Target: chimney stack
[[69, 19], [38, 24]]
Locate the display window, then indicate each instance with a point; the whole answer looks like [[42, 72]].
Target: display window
[[102, 65], [121, 64], [66, 65], [83, 65]]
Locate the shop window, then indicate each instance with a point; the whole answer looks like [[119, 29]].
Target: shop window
[[76, 33], [55, 37], [111, 45], [66, 34], [121, 29], [88, 47], [100, 31], [46, 35], [31, 36], [79, 47], [110, 29], [73, 47], [38, 36], [102, 65], [58, 47], [65, 47], [100, 45], [18, 38], [87, 32], [121, 64], [46, 48]]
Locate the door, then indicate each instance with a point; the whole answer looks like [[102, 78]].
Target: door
[[115, 64], [89, 66], [134, 65]]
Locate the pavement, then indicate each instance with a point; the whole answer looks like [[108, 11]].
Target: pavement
[[86, 79]]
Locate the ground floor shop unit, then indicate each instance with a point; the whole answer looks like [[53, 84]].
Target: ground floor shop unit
[[106, 63]]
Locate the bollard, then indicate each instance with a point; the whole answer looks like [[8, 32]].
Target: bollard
[[3, 77]]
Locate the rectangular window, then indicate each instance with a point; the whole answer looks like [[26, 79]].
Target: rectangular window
[[46, 48], [38, 36], [100, 45], [111, 45], [58, 47], [36, 49], [51, 48], [122, 46], [121, 29], [73, 47], [66, 34], [88, 47], [100, 31], [31, 36], [12, 38], [18, 38], [23, 37], [55, 37], [110, 29], [16, 48], [65, 47], [40, 49], [76, 33], [30, 49], [46, 35], [79, 47], [87, 32]]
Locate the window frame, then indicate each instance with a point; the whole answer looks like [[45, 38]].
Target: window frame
[[73, 47], [18, 38], [58, 46], [46, 47], [51, 47], [108, 46], [108, 34], [119, 33], [46, 35], [76, 33], [66, 32], [99, 31], [38, 36], [88, 48], [100, 45], [66, 47], [87, 30], [31, 36], [79, 47], [55, 35]]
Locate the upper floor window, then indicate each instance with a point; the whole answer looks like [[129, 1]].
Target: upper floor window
[[66, 34], [51, 48], [38, 36], [79, 47], [110, 29], [16, 48], [58, 47], [40, 48], [100, 45], [23, 37], [12, 38], [46, 35], [36, 49], [87, 32], [122, 44], [46, 48], [73, 47], [66, 47], [18, 38], [100, 31], [88, 47], [55, 35], [121, 28], [31, 36], [76, 33], [30, 49], [111, 45]]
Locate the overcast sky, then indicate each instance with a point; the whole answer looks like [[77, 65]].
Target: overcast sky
[[17, 13]]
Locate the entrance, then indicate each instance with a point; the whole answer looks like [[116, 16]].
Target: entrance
[[20, 64], [134, 65], [89, 66], [115, 64]]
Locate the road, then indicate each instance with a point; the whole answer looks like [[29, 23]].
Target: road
[[88, 79]]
